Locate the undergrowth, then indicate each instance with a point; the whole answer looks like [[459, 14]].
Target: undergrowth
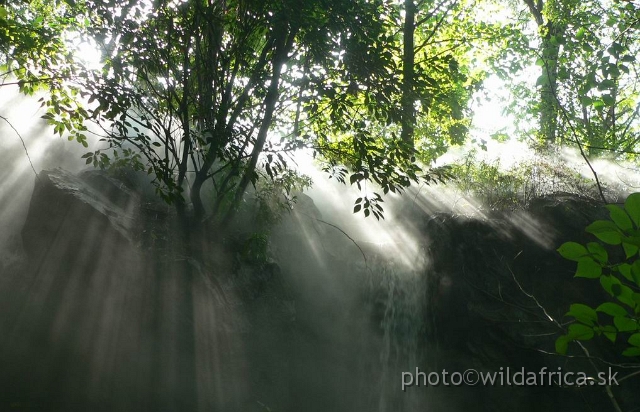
[[502, 188]]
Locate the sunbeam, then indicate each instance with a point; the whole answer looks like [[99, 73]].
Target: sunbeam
[[194, 255]]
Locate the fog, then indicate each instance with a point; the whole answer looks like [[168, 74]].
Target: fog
[[344, 352], [42, 150], [351, 316]]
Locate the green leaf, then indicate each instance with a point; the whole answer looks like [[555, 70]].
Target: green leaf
[[612, 309], [588, 268], [625, 270], [620, 217], [607, 283], [606, 231], [562, 344], [598, 252], [606, 84], [632, 206], [634, 339], [608, 99], [578, 331], [625, 295], [572, 251], [631, 352], [543, 80], [629, 249], [585, 100], [615, 288], [609, 332], [583, 313], [625, 324]]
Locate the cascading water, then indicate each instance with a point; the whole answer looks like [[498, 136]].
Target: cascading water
[[401, 298]]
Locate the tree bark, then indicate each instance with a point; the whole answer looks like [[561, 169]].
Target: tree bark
[[281, 50], [408, 63], [548, 97], [549, 51]]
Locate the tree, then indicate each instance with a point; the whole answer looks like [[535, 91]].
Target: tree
[[586, 92], [35, 54], [194, 91], [402, 98], [551, 27], [191, 91], [198, 102], [408, 64]]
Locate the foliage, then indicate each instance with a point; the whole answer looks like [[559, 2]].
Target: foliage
[[586, 92], [187, 100], [508, 188], [201, 91], [358, 107], [197, 91], [275, 197], [35, 55], [619, 274], [255, 249]]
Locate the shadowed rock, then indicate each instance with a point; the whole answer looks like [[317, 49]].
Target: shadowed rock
[[77, 211]]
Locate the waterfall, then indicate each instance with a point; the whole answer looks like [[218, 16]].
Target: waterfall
[[399, 298]]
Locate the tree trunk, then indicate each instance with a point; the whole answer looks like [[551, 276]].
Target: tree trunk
[[281, 50], [549, 51], [408, 62], [548, 98]]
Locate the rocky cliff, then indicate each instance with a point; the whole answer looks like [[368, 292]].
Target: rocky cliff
[[107, 314]]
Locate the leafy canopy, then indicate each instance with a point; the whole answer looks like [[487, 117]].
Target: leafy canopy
[[195, 91]]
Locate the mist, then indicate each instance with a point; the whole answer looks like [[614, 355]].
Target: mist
[[25, 151], [341, 308]]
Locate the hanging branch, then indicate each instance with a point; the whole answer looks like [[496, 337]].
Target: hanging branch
[[576, 138], [23, 145], [364, 256]]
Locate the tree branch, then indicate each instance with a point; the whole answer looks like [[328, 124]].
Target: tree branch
[[23, 145]]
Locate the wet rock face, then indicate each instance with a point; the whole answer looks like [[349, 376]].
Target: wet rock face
[[487, 285], [68, 211], [101, 318], [101, 312], [82, 286]]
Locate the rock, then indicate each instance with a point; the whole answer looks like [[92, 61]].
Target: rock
[[487, 285], [97, 324], [75, 210], [116, 191], [104, 320], [566, 214]]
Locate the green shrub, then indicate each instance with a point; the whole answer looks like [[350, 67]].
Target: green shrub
[[617, 318], [500, 188]]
